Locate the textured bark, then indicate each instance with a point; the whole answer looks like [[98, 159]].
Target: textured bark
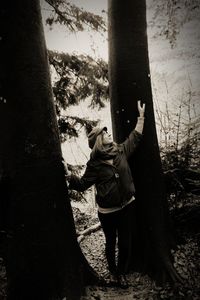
[[43, 257], [129, 77]]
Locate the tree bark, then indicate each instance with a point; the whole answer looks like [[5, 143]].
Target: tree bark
[[129, 77], [43, 258]]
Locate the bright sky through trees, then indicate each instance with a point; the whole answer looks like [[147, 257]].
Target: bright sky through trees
[[86, 42]]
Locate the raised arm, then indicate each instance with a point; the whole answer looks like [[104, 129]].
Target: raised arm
[[131, 143]]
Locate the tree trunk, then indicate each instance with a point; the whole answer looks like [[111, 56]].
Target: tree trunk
[[43, 258], [129, 77]]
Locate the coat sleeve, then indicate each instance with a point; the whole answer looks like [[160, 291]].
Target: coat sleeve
[[83, 183], [131, 143]]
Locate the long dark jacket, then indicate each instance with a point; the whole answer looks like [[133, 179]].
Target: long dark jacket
[[114, 183]]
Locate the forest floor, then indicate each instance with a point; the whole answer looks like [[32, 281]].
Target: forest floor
[[186, 262], [140, 286]]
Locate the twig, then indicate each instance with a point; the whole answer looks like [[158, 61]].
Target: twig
[[87, 231]]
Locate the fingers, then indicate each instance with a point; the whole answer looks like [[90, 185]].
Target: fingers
[[66, 167], [141, 106], [68, 175]]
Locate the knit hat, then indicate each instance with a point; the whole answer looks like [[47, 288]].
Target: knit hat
[[92, 136]]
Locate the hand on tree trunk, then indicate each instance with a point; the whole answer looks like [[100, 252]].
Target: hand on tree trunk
[[68, 173], [140, 122], [141, 108]]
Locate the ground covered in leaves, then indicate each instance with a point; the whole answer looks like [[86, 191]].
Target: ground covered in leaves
[[186, 262]]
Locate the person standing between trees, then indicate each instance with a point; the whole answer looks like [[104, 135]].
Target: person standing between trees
[[109, 170]]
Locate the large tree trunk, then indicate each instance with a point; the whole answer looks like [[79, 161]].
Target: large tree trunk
[[129, 77], [43, 257]]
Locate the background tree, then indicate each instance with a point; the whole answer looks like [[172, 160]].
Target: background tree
[[171, 15], [76, 77], [43, 259], [175, 23], [129, 81]]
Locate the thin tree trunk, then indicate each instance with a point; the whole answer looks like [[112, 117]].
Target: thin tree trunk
[[129, 77], [43, 257]]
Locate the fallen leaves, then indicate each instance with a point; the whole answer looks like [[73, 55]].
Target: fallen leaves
[[186, 261]]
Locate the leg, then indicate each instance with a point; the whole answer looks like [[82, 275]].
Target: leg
[[108, 223], [125, 237]]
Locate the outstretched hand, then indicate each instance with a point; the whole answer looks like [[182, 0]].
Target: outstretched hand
[[141, 108]]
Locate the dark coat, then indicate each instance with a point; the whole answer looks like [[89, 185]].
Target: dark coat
[[114, 183]]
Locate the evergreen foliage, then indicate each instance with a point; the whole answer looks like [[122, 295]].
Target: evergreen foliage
[[69, 126], [73, 17], [78, 77]]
